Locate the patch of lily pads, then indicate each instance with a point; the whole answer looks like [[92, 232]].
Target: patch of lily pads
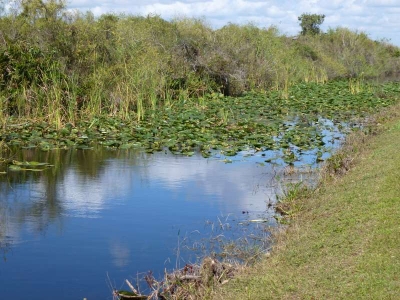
[[33, 166], [260, 121]]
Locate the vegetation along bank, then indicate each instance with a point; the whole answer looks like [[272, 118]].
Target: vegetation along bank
[[343, 237], [71, 80]]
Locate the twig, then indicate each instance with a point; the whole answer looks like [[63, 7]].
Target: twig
[[190, 277], [131, 287], [122, 296]]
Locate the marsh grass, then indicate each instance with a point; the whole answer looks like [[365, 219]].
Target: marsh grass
[[224, 115], [343, 243], [3, 112], [357, 85], [211, 122], [65, 66]]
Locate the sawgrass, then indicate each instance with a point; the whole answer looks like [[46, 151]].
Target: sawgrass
[[62, 66]]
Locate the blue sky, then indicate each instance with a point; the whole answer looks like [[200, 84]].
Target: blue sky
[[380, 19]]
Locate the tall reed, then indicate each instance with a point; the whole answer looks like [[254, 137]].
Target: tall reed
[[3, 111], [356, 85]]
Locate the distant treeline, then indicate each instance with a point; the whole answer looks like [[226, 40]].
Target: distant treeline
[[64, 65]]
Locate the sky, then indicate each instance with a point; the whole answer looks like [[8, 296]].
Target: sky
[[380, 19]]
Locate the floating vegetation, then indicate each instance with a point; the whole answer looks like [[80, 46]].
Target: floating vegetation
[[33, 166], [260, 121]]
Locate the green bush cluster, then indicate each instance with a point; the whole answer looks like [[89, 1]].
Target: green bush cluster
[[62, 66]]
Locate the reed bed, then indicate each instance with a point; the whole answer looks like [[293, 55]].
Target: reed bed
[[62, 66]]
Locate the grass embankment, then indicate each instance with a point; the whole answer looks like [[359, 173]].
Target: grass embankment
[[344, 244]]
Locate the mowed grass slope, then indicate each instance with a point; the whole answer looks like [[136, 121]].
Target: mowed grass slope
[[345, 244]]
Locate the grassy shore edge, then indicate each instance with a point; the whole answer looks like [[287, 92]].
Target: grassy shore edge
[[344, 243]]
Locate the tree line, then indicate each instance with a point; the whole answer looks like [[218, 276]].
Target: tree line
[[62, 65]]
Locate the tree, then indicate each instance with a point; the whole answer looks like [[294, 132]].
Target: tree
[[310, 23], [42, 9]]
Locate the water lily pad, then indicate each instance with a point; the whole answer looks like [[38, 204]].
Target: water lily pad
[[29, 163], [14, 168]]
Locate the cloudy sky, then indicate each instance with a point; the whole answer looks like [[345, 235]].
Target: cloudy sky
[[378, 18]]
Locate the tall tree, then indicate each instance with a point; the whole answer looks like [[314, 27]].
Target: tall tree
[[310, 23]]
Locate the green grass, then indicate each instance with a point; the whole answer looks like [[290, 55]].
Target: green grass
[[345, 242]]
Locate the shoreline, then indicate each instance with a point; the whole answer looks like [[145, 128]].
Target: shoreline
[[342, 242]]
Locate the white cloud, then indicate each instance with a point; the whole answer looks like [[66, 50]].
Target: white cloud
[[377, 17], [382, 3]]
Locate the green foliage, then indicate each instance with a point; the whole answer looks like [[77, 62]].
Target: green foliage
[[124, 65], [263, 121], [310, 23], [307, 52]]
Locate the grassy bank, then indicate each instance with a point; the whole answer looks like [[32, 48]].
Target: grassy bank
[[344, 243]]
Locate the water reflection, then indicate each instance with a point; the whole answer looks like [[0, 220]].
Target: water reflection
[[122, 212], [120, 253]]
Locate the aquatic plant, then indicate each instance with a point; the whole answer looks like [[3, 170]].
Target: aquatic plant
[[259, 121]]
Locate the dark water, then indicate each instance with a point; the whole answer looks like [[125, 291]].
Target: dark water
[[99, 216]]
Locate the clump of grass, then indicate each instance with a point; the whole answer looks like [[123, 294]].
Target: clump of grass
[[291, 202], [224, 115], [356, 85]]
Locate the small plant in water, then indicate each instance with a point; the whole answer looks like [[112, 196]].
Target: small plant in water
[[356, 85], [290, 203]]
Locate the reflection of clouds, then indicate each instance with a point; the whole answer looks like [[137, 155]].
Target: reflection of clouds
[[120, 254], [175, 171], [15, 207], [6, 229], [228, 188], [239, 184], [86, 197], [81, 199]]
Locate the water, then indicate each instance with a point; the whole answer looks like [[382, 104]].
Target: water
[[97, 217]]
